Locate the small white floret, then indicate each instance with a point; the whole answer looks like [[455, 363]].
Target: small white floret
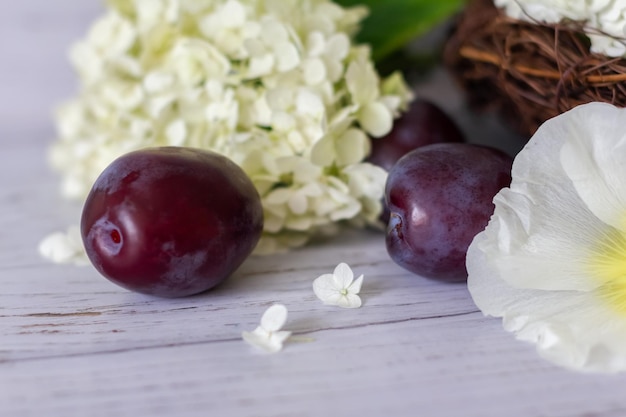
[[339, 288], [268, 336]]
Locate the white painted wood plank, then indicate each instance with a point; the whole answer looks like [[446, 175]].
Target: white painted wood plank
[[403, 370], [82, 310]]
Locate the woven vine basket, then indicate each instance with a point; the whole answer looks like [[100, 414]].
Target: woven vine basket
[[529, 72]]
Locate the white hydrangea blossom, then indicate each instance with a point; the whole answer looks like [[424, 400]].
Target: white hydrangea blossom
[[605, 20], [275, 85], [339, 288], [268, 335]]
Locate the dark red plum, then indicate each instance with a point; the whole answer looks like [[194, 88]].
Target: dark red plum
[[440, 196], [170, 221], [424, 123]]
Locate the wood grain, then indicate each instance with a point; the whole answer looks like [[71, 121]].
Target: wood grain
[[72, 344]]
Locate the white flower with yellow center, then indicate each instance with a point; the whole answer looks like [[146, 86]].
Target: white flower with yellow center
[[275, 85], [552, 261]]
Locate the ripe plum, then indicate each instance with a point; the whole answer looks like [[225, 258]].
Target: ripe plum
[[171, 221], [440, 196], [424, 123]]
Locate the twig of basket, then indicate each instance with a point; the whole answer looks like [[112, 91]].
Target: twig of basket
[[475, 54]]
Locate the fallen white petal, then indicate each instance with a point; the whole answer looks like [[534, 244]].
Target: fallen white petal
[[270, 343], [268, 336], [349, 301], [324, 287], [343, 276], [274, 318], [355, 287], [339, 288]]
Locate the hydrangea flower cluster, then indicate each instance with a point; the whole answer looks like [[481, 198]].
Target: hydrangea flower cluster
[[278, 86], [604, 20]]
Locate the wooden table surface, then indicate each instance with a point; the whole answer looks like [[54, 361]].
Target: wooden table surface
[[72, 344]]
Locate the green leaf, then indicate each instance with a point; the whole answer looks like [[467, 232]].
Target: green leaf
[[391, 24]]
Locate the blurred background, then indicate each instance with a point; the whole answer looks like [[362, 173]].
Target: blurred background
[[35, 73]]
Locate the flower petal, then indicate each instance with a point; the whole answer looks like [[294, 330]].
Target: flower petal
[[325, 287], [355, 287], [323, 152], [298, 203], [343, 276], [376, 119], [352, 147], [274, 318], [269, 343], [362, 82], [278, 338], [573, 329], [349, 301], [542, 232], [536, 245], [593, 158], [334, 299]]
